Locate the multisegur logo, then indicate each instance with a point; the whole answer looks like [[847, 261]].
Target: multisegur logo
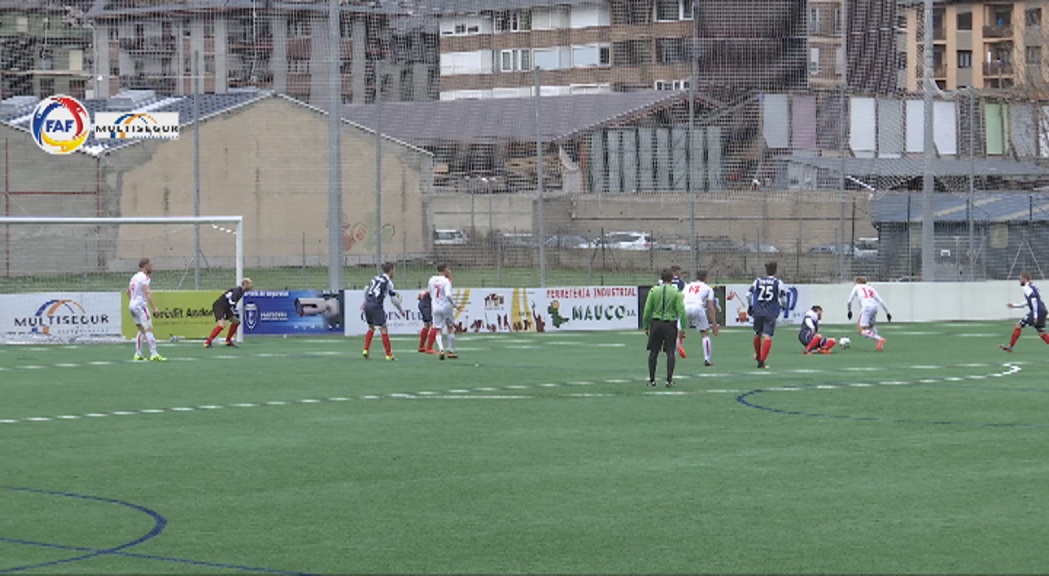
[[59, 315], [126, 125], [60, 124]]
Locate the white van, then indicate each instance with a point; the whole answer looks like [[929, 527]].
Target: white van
[[449, 237]]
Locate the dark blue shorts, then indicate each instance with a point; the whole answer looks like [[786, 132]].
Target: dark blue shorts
[[765, 325], [375, 315], [805, 336], [426, 311], [1031, 320]]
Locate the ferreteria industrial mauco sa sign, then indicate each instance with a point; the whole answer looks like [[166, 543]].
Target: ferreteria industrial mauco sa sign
[[135, 125]]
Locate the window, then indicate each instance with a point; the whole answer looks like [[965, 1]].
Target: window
[[672, 50], [965, 59], [901, 60], [298, 66], [632, 53], [77, 88], [114, 33], [209, 27], [965, 21], [837, 21], [546, 58], [1034, 54], [346, 28], [512, 20], [22, 24], [671, 85], [515, 60], [1033, 17], [839, 60], [673, 10], [814, 61], [589, 56], [299, 27], [47, 86], [209, 64], [814, 20]]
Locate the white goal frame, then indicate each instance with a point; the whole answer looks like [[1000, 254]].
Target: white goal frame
[[237, 221]]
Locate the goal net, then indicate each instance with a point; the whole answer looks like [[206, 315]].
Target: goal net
[[62, 279]]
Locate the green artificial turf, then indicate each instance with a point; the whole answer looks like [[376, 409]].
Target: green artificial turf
[[529, 454]]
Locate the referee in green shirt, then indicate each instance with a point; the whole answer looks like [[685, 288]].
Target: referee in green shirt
[[664, 307]]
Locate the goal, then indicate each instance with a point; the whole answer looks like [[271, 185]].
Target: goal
[[61, 279]]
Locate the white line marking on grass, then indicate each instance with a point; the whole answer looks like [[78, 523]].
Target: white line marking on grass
[[38, 419], [784, 389], [326, 353], [517, 387], [617, 381], [338, 399], [276, 403], [95, 415], [975, 335], [722, 391], [100, 363], [826, 387], [608, 345], [806, 371], [523, 347], [152, 411], [976, 377], [974, 365], [68, 417], [209, 407], [369, 397], [928, 381], [31, 367], [227, 357], [953, 379], [458, 391], [67, 365], [585, 395], [427, 393], [244, 405], [862, 369], [124, 413], [549, 385], [9, 421], [181, 409], [580, 383], [893, 383], [489, 397], [399, 395], [860, 385], [487, 389], [310, 401]]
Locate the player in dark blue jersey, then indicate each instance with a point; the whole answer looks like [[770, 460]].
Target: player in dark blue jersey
[[810, 336], [1036, 312], [374, 310], [225, 310], [426, 311], [766, 301]]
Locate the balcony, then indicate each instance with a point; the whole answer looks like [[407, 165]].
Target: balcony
[[250, 44], [997, 68], [243, 78], [997, 31], [940, 71], [157, 44]]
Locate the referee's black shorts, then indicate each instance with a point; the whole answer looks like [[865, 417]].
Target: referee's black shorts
[[662, 335]]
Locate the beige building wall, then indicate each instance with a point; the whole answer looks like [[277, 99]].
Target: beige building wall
[[269, 162]]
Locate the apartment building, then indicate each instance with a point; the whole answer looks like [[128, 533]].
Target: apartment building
[[993, 45], [146, 44], [44, 48], [489, 48]]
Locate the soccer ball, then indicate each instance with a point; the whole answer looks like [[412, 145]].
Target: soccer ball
[[845, 343]]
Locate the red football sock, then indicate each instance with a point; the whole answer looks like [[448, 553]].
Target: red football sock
[[232, 331], [765, 347], [757, 346], [423, 336], [368, 340], [1015, 336], [1045, 337], [214, 332], [386, 344], [432, 338], [814, 343]]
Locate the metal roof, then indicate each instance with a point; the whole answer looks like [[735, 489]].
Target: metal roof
[[501, 120], [114, 8], [474, 6], [912, 167], [954, 208]]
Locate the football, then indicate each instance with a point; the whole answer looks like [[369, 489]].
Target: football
[[845, 343]]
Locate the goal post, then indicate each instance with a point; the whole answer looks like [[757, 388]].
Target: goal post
[[77, 264]]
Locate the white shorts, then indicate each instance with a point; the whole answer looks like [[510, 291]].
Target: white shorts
[[140, 314], [697, 318], [443, 316], [868, 316]]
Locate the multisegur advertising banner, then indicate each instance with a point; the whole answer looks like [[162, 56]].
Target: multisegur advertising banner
[[292, 312], [494, 310], [61, 314], [185, 314]]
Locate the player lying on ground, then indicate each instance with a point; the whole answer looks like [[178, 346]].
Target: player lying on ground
[[810, 336]]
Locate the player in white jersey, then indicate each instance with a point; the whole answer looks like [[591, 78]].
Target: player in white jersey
[[701, 311], [869, 301], [142, 308], [440, 289]]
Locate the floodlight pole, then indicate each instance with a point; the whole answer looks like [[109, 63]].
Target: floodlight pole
[[335, 256], [693, 57], [539, 177], [196, 169], [928, 181], [378, 163]]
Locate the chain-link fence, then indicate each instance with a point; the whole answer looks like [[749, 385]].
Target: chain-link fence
[[531, 142]]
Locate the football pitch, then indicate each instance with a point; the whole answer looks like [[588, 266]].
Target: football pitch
[[529, 454]]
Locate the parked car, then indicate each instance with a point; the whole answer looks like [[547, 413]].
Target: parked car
[[762, 248], [831, 249], [627, 240], [449, 238], [568, 241]]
